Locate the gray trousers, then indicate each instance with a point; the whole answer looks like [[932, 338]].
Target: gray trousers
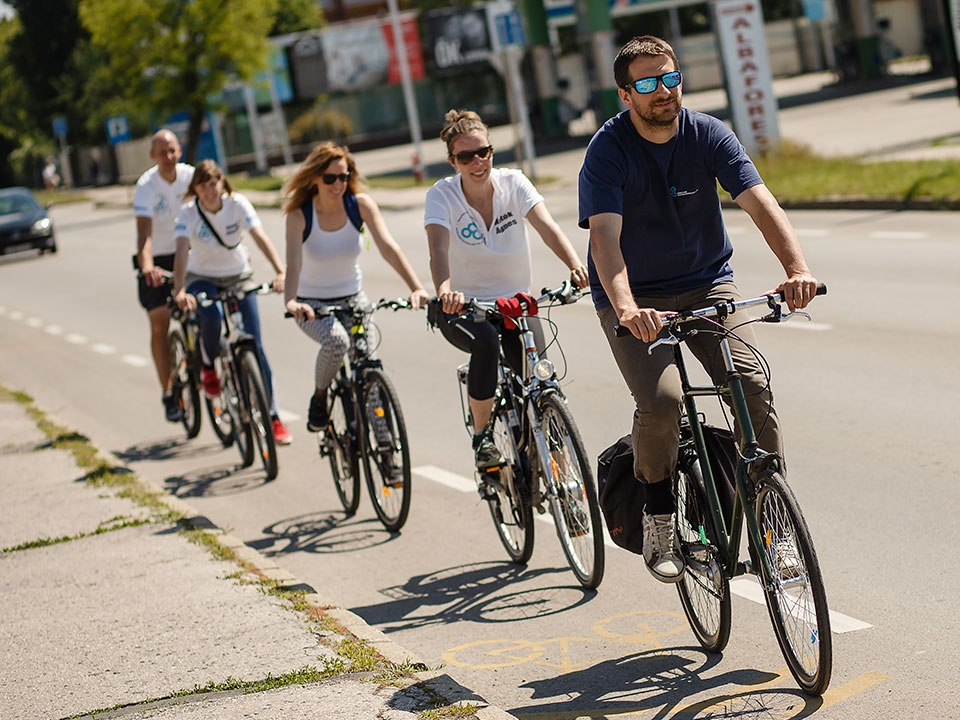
[[654, 381]]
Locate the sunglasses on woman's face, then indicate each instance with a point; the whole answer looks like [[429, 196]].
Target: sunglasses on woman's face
[[331, 178], [466, 156]]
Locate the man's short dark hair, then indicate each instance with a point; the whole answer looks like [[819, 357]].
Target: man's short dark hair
[[639, 46]]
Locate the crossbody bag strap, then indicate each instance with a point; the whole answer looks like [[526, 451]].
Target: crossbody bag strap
[[214, 230]]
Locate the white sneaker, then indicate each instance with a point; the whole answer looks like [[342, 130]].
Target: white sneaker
[[786, 560], [660, 549]]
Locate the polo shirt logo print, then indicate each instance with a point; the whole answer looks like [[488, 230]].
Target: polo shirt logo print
[[682, 193], [469, 233]]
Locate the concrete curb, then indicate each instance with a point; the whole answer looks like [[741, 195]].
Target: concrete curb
[[434, 681]]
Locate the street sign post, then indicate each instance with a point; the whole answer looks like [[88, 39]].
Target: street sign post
[[118, 129]]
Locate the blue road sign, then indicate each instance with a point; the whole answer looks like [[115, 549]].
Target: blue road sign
[[60, 126], [118, 129]]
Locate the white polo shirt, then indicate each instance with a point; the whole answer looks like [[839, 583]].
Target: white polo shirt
[[208, 258], [486, 262], [159, 200]]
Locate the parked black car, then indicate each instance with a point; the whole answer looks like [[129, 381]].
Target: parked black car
[[24, 223]]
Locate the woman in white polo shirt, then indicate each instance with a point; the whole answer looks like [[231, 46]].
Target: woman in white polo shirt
[[479, 249], [211, 256]]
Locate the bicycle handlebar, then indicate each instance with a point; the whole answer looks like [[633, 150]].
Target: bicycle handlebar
[[565, 294], [723, 308], [205, 300], [397, 304]]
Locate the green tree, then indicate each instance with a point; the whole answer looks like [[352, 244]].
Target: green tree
[[172, 55], [296, 15]]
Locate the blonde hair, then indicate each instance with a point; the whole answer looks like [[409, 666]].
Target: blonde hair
[[461, 122], [203, 171], [301, 186]]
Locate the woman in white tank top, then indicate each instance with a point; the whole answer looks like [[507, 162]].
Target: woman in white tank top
[[325, 214]]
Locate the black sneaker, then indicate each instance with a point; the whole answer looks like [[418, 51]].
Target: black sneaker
[[317, 416], [486, 452], [171, 405]]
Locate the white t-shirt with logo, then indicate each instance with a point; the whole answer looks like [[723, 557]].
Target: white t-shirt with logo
[[486, 263], [208, 258], [159, 200]]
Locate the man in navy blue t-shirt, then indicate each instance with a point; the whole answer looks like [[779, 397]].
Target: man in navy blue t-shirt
[[648, 194]]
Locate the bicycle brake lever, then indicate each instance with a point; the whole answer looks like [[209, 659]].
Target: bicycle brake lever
[[802, 313], [668, 340]]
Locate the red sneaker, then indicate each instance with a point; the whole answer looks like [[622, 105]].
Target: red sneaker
[[281, 435], [210, 383]]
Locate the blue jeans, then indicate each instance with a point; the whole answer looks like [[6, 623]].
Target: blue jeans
[[211, 328]]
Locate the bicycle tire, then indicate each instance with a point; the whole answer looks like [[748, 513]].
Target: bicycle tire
[[260, 422], [704, 589], [509, 504], [386, 454], [340, 443], [184, 385], [238, 407], [796, 597], [572, 493], [218, 410]]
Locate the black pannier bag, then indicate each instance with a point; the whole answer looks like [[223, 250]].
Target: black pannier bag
[[622, 496]]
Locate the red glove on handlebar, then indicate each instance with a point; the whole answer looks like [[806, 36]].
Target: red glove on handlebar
[[515, 307]]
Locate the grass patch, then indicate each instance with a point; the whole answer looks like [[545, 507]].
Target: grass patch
[[795, 173]]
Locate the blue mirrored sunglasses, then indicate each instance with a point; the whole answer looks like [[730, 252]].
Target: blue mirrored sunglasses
[[645, 86]]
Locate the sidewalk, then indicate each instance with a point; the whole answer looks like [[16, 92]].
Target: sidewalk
[[119, 608]]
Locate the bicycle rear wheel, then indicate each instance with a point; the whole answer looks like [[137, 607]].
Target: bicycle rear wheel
[[219, 410], [340, 443], [260, 423], [572, 495], [704, 589], [386, 457], [509, 502], [231, 396], [184, 385], [795, 595]]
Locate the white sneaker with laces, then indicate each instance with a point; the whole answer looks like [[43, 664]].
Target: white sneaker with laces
[[660, 548]]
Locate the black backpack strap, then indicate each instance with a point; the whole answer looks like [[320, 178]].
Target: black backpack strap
[[352, 207], [307, 210], [350, 204]]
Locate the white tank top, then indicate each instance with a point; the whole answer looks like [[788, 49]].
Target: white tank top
[[329, 266]]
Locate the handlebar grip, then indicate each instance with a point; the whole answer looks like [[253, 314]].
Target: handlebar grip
[[821, 289], [620, 331]]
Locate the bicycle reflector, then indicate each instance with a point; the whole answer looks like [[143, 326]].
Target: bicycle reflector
[[543, 370]]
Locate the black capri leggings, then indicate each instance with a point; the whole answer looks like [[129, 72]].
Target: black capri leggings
[[482, 339]]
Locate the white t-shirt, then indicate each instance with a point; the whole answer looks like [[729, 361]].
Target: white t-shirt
[[329, 265], [486, 263], [208, 258], [160, 201]]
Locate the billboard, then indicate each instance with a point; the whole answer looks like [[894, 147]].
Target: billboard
[[459, 39]]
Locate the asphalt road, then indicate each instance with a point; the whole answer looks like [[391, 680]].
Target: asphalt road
[[867, 391]]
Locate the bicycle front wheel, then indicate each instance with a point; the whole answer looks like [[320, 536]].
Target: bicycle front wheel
[[704, 589], [509, 502], [260, 423], [386, 456], [795, 594], [219, 409], [184, 386], [341, 445], [231, 397], [572, 494]]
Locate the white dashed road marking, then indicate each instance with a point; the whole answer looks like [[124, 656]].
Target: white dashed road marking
[[135, 360], [103, 349]]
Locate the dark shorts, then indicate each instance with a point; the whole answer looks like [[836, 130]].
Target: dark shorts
[[153, 297]]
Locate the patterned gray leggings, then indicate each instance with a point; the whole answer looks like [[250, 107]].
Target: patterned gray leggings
[[332, 333]]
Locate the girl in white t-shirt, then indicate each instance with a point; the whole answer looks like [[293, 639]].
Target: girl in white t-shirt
[[325, 214], [211, 256], [479, 249]]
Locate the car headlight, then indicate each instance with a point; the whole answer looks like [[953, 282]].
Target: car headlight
[[41, 226], [543, 370]]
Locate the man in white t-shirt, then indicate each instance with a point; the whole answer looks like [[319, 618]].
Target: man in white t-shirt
[[156, 202]]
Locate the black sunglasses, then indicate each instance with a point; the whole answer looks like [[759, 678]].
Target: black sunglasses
[[465, 156], [645, 86], [331, 178]]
